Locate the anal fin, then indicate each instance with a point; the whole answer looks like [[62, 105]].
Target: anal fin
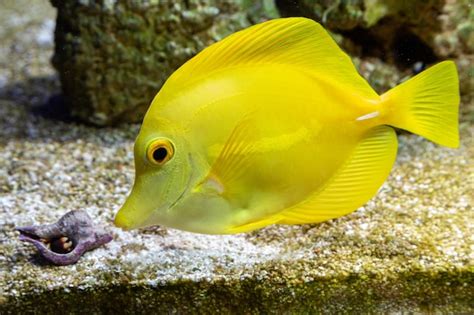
[[254, 225], [354, 183]]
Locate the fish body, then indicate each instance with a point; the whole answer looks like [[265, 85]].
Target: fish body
[[273, 125]]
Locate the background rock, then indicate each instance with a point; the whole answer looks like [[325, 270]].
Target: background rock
[[113, 56], [398, 39], [395, 31]]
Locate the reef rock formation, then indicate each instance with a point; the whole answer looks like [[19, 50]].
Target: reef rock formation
[[113, 56]]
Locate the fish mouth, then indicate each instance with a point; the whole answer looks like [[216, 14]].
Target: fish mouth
[[126, 223], [131, 213], [122, 221]]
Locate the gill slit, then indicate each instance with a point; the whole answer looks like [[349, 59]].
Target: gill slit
[[188, 184]]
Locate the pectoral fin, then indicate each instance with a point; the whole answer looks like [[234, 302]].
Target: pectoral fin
[[235, 159]]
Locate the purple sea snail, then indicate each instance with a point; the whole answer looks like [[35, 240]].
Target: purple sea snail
[[65, 241]]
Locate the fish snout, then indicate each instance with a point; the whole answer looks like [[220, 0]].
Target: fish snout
[[122, 221], [129, 216], [136, 211]]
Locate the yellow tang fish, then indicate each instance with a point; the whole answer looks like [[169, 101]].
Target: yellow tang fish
[[273, 125]]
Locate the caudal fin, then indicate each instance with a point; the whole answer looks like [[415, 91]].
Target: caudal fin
[[427, 104]]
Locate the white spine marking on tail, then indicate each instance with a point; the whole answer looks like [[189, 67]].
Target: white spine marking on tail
[[369, 116]]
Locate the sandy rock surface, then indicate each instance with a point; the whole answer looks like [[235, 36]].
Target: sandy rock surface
[[409, 249]]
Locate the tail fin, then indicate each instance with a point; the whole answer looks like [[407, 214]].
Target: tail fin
[[427, 104]]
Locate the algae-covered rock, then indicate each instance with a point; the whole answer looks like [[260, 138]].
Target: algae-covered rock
[[113, 56], [399, 36], [347, 15], [397, 32], [457, 35], [456, 40]]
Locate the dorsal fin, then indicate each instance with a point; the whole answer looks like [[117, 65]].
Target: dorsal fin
[[297, 42]]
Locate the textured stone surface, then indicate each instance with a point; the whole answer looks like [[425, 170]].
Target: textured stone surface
[[456, 40], [374, 24], [113, 56], [347, 15], [409, 249]]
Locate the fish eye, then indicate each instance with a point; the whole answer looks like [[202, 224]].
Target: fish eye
[[159, 151]]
